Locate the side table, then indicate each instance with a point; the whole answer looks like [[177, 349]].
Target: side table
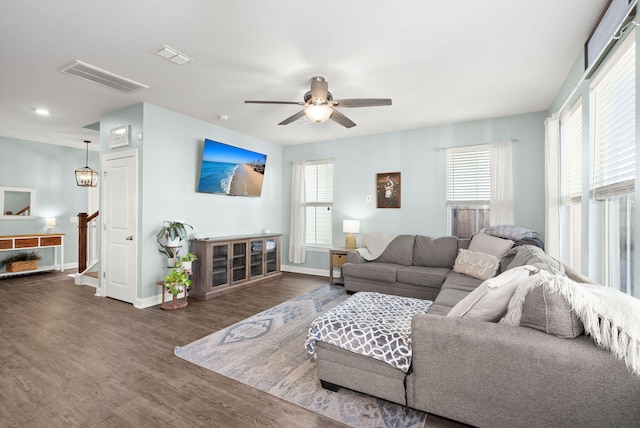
[[337, 257]]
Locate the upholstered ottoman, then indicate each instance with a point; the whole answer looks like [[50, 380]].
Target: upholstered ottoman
[[364, 344]]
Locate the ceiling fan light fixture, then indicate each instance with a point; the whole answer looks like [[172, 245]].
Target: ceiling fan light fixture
[[318, 113]]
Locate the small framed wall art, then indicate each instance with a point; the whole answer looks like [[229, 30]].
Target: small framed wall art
[[119, 137], [388, 190]]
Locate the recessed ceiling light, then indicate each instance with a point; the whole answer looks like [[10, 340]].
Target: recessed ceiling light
[[42, 112], [172, 55], [223, 117]]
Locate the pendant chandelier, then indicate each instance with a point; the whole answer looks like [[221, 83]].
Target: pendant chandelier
[[86, 177]]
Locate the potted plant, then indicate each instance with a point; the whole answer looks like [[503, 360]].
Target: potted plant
[[173, 232], [176, 282], [186, 261], [21, 261], [169, 237]]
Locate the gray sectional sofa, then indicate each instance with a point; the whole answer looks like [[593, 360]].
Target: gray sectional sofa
[[480, 373]]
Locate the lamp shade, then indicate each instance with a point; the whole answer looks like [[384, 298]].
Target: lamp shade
[[318, 112], [351, 226], [50, 222]]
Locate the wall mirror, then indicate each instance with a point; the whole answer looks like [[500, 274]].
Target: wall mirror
[[17, 202]]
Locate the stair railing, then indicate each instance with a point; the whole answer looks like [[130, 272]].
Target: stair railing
[[87, 239]]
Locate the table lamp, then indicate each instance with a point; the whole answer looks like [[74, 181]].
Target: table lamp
[[350, 227], [50, 223]]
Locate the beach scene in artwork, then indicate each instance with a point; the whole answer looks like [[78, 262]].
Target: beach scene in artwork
[[231, 170]]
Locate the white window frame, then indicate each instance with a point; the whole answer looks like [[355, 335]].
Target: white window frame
[[468, 181], [319, 196]]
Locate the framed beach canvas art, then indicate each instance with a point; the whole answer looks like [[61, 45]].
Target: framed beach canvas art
[[231, 170], [388, 190]]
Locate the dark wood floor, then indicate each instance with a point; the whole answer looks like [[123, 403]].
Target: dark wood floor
[[69, 358]]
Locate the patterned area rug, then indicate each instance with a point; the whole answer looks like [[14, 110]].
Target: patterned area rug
[[267, 352]]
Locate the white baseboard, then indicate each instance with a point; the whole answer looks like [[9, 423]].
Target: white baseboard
[[306, 271]]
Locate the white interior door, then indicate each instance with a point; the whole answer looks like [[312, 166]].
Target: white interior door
[[120, 225]]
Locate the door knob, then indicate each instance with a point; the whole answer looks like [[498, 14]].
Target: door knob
[[129, 238]]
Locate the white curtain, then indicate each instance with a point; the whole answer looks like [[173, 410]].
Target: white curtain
[[297, 247], [501, 211], [552, 185]]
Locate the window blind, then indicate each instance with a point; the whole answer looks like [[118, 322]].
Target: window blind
[[571, 154], [319, 201], [468, 176], [613, 103]]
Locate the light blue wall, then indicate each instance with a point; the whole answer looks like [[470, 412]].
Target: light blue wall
[[50, 170], [170, 156], [415, 155]]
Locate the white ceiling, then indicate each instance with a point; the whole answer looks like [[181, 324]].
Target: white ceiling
[[440, 61]]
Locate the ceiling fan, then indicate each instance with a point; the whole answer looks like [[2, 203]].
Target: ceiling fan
[[319, 105]]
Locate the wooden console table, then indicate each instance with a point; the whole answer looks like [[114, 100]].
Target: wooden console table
[[34, 242], [231, 262]]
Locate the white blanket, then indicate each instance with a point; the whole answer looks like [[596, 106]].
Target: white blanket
[[374, 244], [611, 317]]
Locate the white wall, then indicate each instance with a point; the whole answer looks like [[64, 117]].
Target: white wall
[[414, 154]]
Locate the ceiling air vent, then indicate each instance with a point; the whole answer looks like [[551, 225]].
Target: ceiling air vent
[[101, 77]]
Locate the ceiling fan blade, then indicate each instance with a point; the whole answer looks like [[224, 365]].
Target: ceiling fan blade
[[292, 118], [275, 102], [319, 88], [362, 102], [343, 120]]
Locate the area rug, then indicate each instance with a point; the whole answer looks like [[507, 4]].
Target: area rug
[[266, 351]]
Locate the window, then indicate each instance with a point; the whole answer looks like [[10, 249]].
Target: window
[[571, 189], [468, 189], [318, 177], [613, 122]]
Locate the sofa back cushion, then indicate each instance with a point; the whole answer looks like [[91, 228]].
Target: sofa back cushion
[[535, 256], [399, 251], [483, 243], [440, 252]]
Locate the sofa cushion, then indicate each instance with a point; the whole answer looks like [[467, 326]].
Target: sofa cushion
[[535, 256], [374, 271], [483, 243], [420, 275], [399, 251], [477, 265], [440, 252], [462, 282], [489, 301], [449, 297], [547, 311]]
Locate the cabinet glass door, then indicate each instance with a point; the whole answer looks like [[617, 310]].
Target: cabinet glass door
[[220, 274], [257, 253], [239, 265], [271, 259]]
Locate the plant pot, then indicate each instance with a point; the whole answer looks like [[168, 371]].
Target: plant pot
[[22, 266], [173, 242], [186, 266]]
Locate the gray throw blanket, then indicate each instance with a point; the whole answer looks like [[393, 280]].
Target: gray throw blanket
[[611, 317], [372, 324]]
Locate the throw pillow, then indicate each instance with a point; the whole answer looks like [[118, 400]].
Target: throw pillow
[[532, 255], [489, 301], [483, 243], [547, 311], [477, 265]]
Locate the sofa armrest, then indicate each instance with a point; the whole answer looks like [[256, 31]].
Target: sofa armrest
[[487, 374], [355, 257]]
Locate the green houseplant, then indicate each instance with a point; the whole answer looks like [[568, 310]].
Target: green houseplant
[[21, 261], [186, 261], [169, 237], [173, 232], [176, 281]]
